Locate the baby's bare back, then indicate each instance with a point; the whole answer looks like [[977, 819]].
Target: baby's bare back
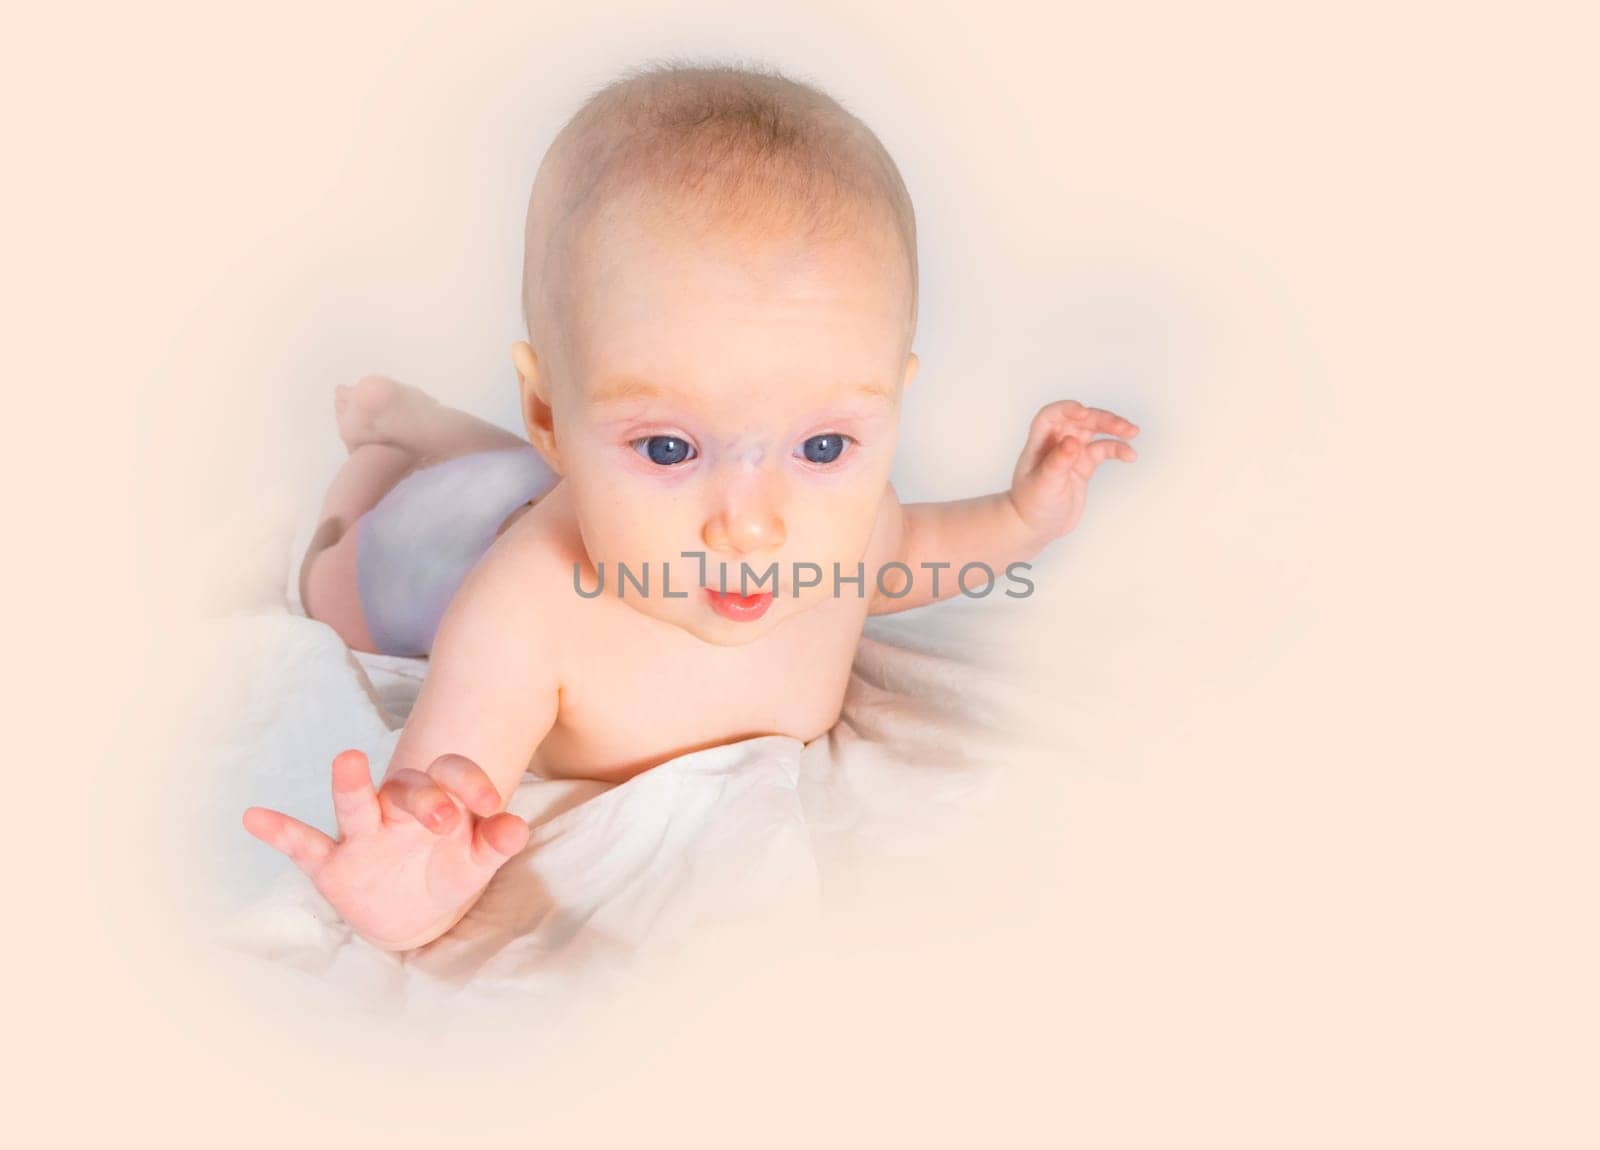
[[613, 690]]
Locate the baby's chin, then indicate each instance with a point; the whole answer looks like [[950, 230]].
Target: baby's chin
[[705, 624]]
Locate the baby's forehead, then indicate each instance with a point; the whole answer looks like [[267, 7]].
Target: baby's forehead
[[723, 314], [710, 279], [631, 231]]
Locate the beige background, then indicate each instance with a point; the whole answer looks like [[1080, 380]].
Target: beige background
[[1318, 864]]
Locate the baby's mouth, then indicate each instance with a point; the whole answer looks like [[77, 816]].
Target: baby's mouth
[[740, 608]]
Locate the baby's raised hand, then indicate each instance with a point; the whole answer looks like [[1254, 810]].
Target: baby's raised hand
[[408, 860], [1051, 481]]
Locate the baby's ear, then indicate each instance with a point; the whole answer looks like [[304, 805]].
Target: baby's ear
[[538, 418], [912, 363]]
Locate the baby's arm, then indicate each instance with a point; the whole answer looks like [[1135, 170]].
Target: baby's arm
[[1045, 501], [409, 862]]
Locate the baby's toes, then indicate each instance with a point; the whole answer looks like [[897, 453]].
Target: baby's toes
[[373, 393], [362, 408]]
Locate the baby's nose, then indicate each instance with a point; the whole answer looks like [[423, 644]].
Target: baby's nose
[[745, 525]]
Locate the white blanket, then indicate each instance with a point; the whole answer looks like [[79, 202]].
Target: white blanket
[[768, 830]]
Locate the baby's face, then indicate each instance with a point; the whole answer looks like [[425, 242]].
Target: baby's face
[[738, 399]]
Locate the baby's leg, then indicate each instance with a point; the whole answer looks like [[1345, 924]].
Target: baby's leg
[[391, 430], [378, 409], [328, 588]]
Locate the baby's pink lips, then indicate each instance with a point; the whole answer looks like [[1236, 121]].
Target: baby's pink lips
[[740, 608]]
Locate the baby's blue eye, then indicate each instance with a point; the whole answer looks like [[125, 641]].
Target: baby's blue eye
[[823, 448], [665, 450]]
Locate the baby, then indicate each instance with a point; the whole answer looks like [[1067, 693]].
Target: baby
[[720, 292]]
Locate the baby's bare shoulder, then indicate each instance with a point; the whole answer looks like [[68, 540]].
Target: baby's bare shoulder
[[525, 569], [521, 566]]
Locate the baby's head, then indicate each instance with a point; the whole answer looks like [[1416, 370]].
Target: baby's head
[[721, 292]]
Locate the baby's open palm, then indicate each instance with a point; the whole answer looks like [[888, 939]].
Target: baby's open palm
[[408, 858], [1051, 481]]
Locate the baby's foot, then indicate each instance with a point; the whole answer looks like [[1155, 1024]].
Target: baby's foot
[[377, 409]]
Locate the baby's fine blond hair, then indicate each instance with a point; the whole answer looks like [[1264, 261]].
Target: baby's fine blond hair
[[734, 147]]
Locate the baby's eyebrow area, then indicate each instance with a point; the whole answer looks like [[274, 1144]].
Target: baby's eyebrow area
[[630, 389]]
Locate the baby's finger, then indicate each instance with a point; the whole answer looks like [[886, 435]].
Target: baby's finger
[[1040, 432], [355, 803], [1110, 422], [307, 847], [1103, 449], [1082, 418], [496, 840], [1062, 455], [467, 781], [1064, 409], [412, 793]]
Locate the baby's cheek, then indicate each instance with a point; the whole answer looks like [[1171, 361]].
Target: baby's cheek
[[630, 528], [833, 544], [842, 528]]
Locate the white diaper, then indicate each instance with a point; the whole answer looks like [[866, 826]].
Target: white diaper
[[415, 548]]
